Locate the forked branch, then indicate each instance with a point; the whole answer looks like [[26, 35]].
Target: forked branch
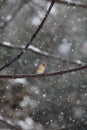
[[32, 38]]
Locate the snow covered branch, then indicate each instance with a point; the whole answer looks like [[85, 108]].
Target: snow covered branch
[[43, 53], [32, 38]]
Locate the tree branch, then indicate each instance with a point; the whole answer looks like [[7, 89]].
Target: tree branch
[[43, 53], [32, 38], [66, 2], [56, 73]]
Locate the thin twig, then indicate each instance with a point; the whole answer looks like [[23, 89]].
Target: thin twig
[[76, 4], [56, 73], [32, 38], [43, 53]]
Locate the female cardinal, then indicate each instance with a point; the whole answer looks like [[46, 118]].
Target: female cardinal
[[41, 68]]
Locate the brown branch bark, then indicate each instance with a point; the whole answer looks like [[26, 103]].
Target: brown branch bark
[[56, 73]]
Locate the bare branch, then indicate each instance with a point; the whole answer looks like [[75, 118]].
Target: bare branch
[[38, 51], [32, 38], [56, 73], [76, 4]]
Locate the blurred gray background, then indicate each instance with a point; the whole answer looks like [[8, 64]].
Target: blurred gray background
[[47, 103]]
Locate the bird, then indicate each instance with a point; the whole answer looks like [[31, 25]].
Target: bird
[[41, 68]]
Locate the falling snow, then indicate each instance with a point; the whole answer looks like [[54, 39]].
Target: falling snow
[[49, 103]]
